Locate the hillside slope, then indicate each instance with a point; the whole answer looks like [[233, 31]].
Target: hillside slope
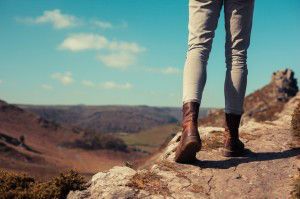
[[267, 171], [264, 103], [32, 144]]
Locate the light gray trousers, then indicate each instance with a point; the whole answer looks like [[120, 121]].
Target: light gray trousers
[[203, 20]]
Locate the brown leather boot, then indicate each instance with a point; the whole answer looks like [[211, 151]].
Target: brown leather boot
[[190, 142], [233, 146]]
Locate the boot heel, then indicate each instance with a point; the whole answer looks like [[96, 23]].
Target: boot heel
[[188, 150], [194, 142], [229, 153]]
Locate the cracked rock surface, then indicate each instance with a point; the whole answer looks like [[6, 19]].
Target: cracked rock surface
[[266, 171]]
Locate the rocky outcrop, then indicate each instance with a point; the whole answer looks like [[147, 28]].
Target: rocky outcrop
[[263, 104], [266, 171], [285, 83]]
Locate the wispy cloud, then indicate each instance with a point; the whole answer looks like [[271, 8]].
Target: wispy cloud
[[82, 41], [125, 46], [1, 81], [119, 60], [119, 54], [102, 24], [166, 70], [124, 24], [105, 25], [64, 78], [54, 17], [47, 87], [89, 41], [60, 20], [107, 85], [114, 85], [87, 83], [170, 70]]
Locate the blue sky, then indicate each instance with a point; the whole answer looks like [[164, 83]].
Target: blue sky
[[127, 51]]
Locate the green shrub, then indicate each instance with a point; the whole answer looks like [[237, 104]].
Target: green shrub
[[14, 185], [98, 141], [21, 186]]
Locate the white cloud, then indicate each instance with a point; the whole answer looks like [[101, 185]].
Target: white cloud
[[119, 54], [166, 70], [119, 60], [54, 17], [170, 70], [105, 25], [64, 78], [107, 85], [102, 24], [88, 83], [125, 46], [61, 20], [114, 85], [1, 81], [89, 41], [80, 42], [47, 87]]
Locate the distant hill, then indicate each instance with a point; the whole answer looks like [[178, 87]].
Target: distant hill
[[112, 118]]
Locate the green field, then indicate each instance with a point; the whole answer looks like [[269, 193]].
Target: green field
[[151, 139]]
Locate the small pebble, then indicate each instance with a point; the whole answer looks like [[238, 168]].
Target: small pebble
[[236, 176]]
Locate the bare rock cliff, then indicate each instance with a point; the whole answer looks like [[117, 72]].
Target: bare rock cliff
[[267, 171]]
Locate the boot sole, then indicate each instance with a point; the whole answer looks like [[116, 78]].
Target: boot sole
[[228, 153], [188, 151]]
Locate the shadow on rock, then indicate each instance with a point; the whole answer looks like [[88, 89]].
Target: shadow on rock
[[248, 157]]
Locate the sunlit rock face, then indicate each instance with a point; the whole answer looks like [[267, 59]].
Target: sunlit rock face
[[268, 170]]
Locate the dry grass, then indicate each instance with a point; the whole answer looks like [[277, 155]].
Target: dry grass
[[295, 125], [214, 141], [296, 190], [248, 136], [22, 186], [296, 122], [296, 133], [149, 182]]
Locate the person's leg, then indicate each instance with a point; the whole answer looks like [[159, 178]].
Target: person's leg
[[238, 23], [203, 20]]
